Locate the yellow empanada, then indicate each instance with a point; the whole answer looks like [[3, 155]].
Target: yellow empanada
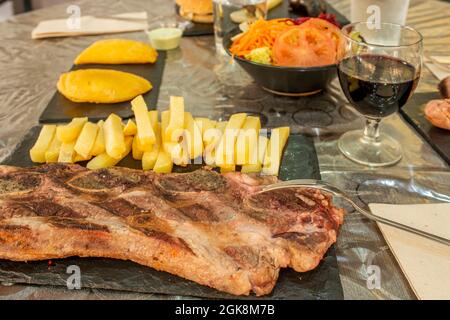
[[101, 86], [117, 51]]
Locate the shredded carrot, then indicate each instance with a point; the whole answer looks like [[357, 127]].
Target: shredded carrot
[[261, 33]]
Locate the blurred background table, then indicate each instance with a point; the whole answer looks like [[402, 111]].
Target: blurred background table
[[214, 87]]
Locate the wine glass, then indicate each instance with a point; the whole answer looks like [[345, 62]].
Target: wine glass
[[379, 72]]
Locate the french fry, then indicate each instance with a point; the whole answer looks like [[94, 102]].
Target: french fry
[[225, 149], [153, 116], [176, 150], [149, 158], [37, 152], [114, 138], [104, 160], [99, 144], [221, 125], [52, 153], [204, 124], [165, 116], [144, 127], [163, 163], [136, 151], [247, 142], [180, 154], [193, 136], [263, 141], [67, 152], [213, 123], [70, 131], [211, 139], [86, 139], [167, 146], [228, 168], [80, 158], [130, 128], [274, 152], [201, 123], [176, 120]]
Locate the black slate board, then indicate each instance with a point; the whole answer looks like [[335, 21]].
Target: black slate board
[[281, 11], [299, 161], [60, 109], [413, 112]]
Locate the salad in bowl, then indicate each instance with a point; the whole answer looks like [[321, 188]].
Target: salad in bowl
[[289, 56]]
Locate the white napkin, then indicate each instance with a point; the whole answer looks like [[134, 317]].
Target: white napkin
[[90, 25], [437, 70], [425, 263]]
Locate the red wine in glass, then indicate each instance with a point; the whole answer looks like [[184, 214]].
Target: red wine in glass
[[379, 72], [377, 85]]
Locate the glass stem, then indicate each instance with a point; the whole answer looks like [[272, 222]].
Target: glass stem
[[372, 130]]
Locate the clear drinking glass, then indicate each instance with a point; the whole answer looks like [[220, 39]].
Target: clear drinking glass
[[378, 74], [229, 14], [390, 11]]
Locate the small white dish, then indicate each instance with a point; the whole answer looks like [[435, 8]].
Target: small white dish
[[165, 38]]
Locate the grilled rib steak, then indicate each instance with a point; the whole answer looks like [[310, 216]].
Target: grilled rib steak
[[203, 226]]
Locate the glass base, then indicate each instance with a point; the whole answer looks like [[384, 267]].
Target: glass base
[[383, 151], [219, 46]]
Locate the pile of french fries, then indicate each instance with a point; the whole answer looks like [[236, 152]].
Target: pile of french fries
[[176, 137]]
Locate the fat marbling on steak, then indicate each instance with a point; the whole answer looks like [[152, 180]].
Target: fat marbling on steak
[[203, 226]]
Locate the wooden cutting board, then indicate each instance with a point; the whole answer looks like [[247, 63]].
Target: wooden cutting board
[[426, 263]]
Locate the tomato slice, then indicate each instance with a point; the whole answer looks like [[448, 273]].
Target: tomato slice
[[331, 30], [304, 47]]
